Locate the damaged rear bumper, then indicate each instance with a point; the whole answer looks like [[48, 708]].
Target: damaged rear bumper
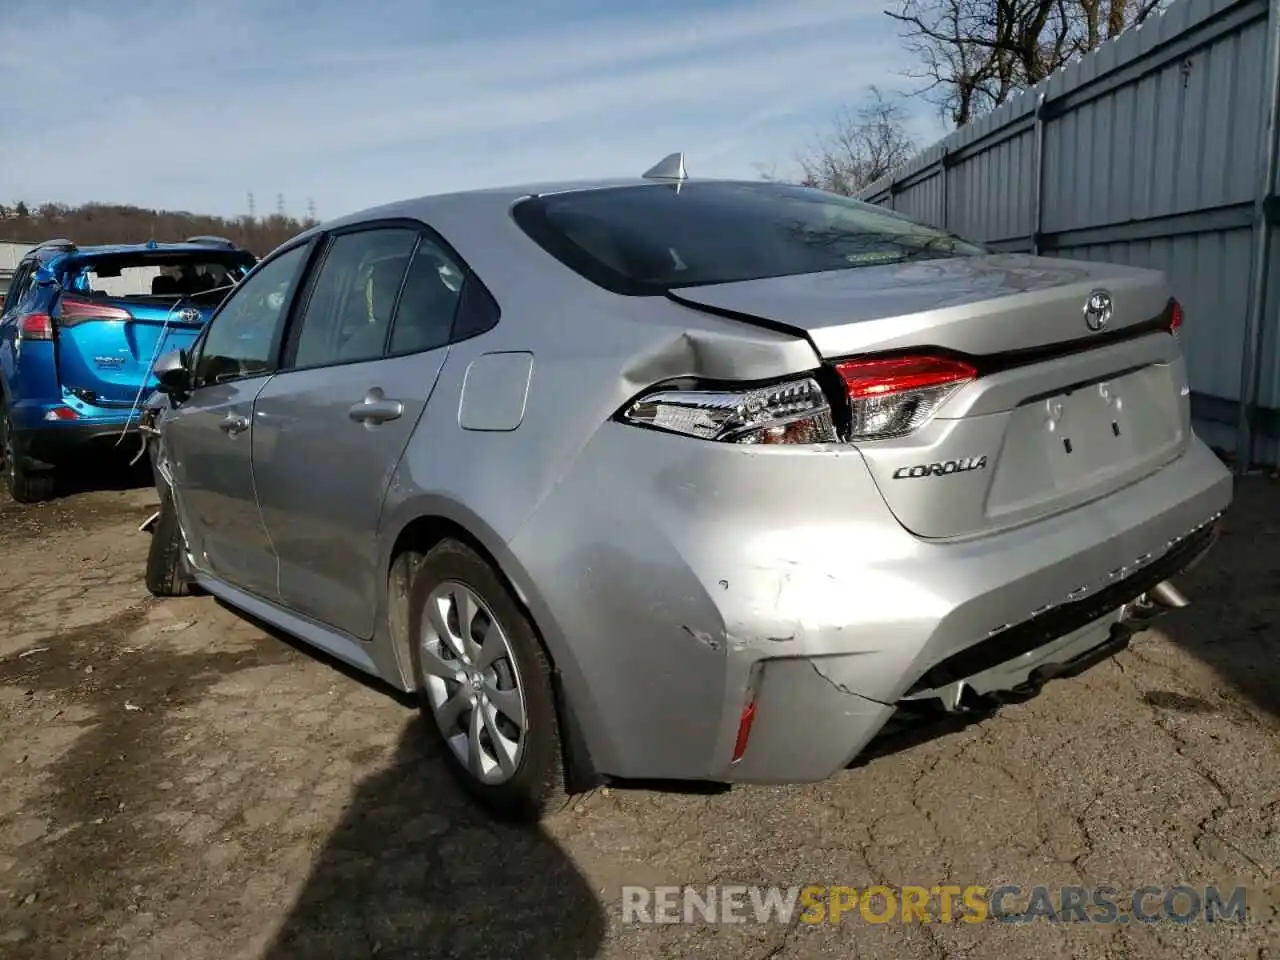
[[813, 722]]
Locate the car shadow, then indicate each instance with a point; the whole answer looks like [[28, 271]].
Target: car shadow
[[315, 653], [1230, 624], [416, 870], [904, 732]]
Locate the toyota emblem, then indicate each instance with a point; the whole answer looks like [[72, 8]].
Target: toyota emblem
[[192, 315], [1097, 310]]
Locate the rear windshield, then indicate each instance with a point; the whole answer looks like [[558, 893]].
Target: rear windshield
[[651, 238], [163, 275]]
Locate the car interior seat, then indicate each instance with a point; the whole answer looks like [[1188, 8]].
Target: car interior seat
[[164, 285], [368, 309]]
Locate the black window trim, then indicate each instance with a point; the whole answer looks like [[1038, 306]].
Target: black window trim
[[387, 352], [308, 245]]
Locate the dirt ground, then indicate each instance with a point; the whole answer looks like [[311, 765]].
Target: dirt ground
[[175, 782]]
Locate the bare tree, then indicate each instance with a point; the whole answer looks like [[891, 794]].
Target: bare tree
[[862, 146], [976, 54], [92, 223]]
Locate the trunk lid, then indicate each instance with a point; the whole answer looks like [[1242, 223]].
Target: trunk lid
[[107, 345], [1060, 413], [977, 305]]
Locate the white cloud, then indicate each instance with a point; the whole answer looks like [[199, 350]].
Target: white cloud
[[216, 99]]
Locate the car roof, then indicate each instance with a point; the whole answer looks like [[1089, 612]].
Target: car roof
[[425, 207], [478, 225]]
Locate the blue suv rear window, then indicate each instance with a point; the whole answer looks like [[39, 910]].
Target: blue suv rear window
[[155, 274]]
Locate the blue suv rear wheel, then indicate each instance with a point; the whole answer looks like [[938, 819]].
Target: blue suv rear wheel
[[22, 482]]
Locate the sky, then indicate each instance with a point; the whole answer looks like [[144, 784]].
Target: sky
[[191, 105]]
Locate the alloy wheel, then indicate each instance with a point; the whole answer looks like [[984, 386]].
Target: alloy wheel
[[473, 684]]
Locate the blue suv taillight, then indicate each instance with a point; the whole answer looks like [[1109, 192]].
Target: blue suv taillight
[[36, 326], [73, 310]]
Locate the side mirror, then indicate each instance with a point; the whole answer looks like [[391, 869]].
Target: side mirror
[[173, 376]]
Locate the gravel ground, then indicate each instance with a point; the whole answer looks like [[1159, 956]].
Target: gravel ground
[[179, 783]]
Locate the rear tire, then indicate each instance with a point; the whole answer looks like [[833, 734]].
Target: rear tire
[[23, 483], [474, 687], [167, 574]]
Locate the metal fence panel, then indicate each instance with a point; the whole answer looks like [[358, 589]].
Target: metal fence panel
[[1152, 155]]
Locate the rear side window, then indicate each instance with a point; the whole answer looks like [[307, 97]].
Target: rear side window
[[429, 301], [655, 237]]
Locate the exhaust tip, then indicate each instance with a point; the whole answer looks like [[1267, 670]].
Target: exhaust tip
[[1167, 595]]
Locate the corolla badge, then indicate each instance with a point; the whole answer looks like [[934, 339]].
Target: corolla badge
[[1097, 310], [941, 468]]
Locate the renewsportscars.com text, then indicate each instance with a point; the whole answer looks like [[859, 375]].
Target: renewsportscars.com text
[[817, 904]]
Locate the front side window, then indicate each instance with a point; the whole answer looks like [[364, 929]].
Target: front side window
[[348, 312], [647, 239], [241, 340]]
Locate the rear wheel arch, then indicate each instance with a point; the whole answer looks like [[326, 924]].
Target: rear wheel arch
[[414, 541]]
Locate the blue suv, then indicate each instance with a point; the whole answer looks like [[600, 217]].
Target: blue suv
[[80, 330]]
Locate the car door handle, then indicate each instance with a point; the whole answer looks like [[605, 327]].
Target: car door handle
[[231, 424], [372, 410]]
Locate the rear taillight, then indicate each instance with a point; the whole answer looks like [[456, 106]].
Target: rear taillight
[[794, 412], [890, 397], [1175, 317], [36, 326], [73, 310]]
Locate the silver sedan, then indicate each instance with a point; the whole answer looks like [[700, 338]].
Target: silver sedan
[[678, 478]]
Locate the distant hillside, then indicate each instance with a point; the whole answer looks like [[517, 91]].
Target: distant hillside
[[94, 223]]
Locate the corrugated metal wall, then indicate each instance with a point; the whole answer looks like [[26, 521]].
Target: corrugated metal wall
[[1152, 155], [11, 255]]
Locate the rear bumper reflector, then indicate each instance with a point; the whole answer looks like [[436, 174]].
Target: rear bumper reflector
[[744, 731]]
